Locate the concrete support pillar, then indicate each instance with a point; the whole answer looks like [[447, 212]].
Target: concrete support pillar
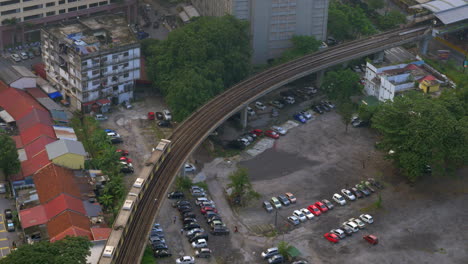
[[244, 115], [319, 77], [423, 45], [379, 56]]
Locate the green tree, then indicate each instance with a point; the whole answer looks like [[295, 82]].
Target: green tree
[[366, 112], [241, 186], [421, 131], [302, 45], [341, 84], [284, 248], [199, 61], [9, 161], [346, 21], [375, 4], [346, 110], [71, 250], [391, 20]]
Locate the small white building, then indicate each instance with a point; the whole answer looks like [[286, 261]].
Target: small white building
[[17, 76], [384, 82]]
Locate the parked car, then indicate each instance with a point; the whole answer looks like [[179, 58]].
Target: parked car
[[159, 116], [357, 193], [274, 112], [299, 215], [269, 252], [113, 134], [126, 159], [275, 202], [340, 233], [164, 123], [276, 259], [367, 218], [369, 186], [122, 152], [167, 114], [203, 253], [267, 206], [180, 203], [162, 253], [199, 236], [339, 199], [289, 100], [260, 106], [351, 225], [371, 239], [24, 55], [200, 243], [321, 207], [189, 220], [250, 111], [331, 237], [277, 104], [257, 132], [358, 222], [194, 231], [328, 204], [220, 231], [307, 213], [300, 262], [363, 189], [100, 117], [159, 246], [300, 118], [317, 109], [116, 140], [203, 210], [189, 167], [290, 197], [348, 194], [325, 107], [348, 231], [8, 214], [375, 183], [188, 214], [313, 209], [185, 260], [271, 134], [306, 114], [15, 57], [175, 195], [279, 130], [285, 201]]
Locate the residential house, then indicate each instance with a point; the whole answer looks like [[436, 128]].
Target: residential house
[[68, 153]]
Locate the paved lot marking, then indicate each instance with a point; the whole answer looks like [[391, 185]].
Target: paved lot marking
[[3, 239]]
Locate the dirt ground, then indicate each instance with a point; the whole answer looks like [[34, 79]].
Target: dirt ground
[[420, 224]]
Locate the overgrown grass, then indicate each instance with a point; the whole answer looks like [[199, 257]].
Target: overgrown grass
[[449, 68], [148, 257]]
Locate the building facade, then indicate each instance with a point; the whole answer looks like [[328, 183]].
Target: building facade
[[90, 60], [272, 22], [20, 20]]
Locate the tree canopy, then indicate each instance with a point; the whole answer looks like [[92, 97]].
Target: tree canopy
[[9, 161], [198, 61], [347, 21], [390, 20], [302, 45], [70, 250], [340, 85], [419, 131]]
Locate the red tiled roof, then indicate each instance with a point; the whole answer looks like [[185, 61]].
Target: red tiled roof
[[17, 102], [62, 203], [100, 233], [34, 117], [103, 101], [36, 92], [54, 180], [428, 78], [35, 131], [33, 216], [68, 223], [411, 67], [37, 146], [19, 143], [33, 164]]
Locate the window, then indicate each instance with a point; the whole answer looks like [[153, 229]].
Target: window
[[125, 54], [104, 59], [115, 67], [126, 75], [72, 9], [31, 7], [125, 65], [9, 2], [61, 11], [95, 61], [96, 82], [61, 2], [93, 5], [51, 13], [71, 1], [12, 11], [104, 70], [82, 7], [102, 3], [115, 56], [115, 88], [50, 4], [32, 17], [95, 72]]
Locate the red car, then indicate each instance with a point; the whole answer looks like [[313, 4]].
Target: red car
[[128, 160], [205, 209], [150, 115], [257, 132], [272, 134], [331, 237], [314, 209], [371, 239], [122, 152], [321, 207]]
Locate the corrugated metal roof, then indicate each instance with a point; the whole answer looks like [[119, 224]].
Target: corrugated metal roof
[[38, 145], [54, 180], [33, 216], [63, 202], [100, 233], [64, 146], [65, 132], [17, 102], [68, 223], [442, 5], [32, 165], [448, 11], [34, 117], [6, 116], [36, 131], [453, 15]]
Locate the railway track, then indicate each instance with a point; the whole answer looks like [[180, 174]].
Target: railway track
[[189, 135]]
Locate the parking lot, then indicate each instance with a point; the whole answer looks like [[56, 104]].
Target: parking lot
[[6, 238]]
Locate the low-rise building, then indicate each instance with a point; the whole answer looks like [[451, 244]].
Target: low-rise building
[[67, 153], [93, 61]]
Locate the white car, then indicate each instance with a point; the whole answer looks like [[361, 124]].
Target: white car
[[270, 252], [348, 194], [339, 199], [289, 100], [340, 233], [100, 117], [279, 130], [307, 213], [306, 114], [311, 89], [358, 222], [199, 243], [15, 57], [185, 260], [367, 218], [250, 111], [194, 231], [189, 167], [24, 55], [167, 114], [260, 105], [113, 134], [352, 225], [300, 215]]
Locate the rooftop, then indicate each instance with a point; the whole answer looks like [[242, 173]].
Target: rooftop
[[447, 11], [65, 146], [54, 180], [94, 34], [10, 74]]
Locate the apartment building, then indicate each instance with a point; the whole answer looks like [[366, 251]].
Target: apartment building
[[92, 61], [30, 15], [272, 22]]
